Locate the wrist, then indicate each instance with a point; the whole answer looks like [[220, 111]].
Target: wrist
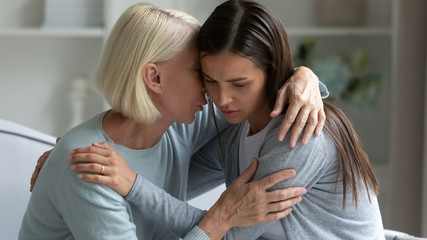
[[215, 224], [130, 183]]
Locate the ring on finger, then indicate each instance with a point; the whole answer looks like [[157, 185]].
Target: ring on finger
[[102, 170]]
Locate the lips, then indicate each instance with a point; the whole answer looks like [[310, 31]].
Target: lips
[[229, 113]]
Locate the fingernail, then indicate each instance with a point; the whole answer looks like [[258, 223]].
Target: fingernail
[[73, 167], [281, 137], [80, 176], [72, 152], [69, 159]]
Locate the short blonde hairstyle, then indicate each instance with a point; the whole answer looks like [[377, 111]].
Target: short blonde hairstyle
[[143, 34]]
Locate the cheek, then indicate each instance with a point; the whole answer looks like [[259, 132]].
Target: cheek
[[193, 81], [212, 91]]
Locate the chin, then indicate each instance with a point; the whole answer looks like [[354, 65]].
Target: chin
[[235, 120], [189, 120]]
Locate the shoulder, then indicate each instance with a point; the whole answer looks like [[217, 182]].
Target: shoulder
[[318, 143], [320, 151], [84, 134]]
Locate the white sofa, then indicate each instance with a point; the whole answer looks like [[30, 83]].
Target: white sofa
[[20, 147]]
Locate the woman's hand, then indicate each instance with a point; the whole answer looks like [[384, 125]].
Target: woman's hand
[[301, 92], [246, 203], [40, 163], [109, 167]]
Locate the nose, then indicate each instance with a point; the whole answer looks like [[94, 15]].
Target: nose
[[224, 98]]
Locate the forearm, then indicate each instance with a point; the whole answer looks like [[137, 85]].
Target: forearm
[[176, 215], [186, 221], [213, 228]]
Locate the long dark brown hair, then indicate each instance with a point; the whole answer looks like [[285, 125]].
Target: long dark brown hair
[[242, 28], [251, 30]]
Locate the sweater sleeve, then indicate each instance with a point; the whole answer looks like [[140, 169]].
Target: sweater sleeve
[[176, 215], [196, 234], [323, 90], [309, 162], [94, 211], [205, 171]]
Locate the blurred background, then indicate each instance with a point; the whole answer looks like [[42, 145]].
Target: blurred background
[[370, 53]]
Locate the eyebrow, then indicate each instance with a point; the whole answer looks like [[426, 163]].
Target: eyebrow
[[229, 80]]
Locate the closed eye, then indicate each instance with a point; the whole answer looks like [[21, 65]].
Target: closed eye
[[207, 80]]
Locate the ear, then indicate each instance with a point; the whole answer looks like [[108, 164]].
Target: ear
[[151, 77]]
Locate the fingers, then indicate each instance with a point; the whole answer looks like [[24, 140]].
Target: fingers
[[103, 145], [285, 194], [40, 163], [91, 167], [283, 205], [299, 125], [88, 157], [94, 149], [288, 120], [33, 178], [309, 128], [271, 180], [95, 178], [281, 209], [281, 101], [273, 216], [321, 122], [249, 172]]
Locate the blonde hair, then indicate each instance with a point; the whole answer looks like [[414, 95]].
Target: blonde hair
[[143, 34]]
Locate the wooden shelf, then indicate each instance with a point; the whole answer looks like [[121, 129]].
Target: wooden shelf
[[53, 32]]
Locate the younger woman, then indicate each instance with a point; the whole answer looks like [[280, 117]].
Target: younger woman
[[244, 52]]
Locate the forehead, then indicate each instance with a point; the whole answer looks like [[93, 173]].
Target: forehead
[[224, 61], [227, 66], [189, 56]]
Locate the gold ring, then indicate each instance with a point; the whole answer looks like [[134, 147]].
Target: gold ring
[[102, 169]]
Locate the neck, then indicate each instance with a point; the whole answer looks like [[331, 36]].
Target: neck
[[259, 120], [131, 134]]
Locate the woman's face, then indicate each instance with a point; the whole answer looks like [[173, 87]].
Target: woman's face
[[236, 85], [184, 94]]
